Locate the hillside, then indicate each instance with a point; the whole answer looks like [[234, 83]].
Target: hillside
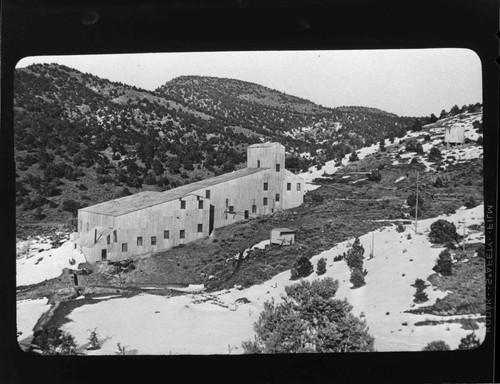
[[81, 140], [231, 274]]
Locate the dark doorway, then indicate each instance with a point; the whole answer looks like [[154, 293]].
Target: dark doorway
[[247, 215], [104, 255], [211, 219]]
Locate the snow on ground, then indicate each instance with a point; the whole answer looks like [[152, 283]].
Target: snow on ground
[[461, 154], [28, 312], [36, 266], [263, 244], [216, 323]]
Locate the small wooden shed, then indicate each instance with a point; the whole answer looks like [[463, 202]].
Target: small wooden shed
[[282, 236], [454, 134]]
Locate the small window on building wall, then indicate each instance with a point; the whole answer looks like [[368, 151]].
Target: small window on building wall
[[115, 236], [266, 186], [166, 234], [231, 208], [183, 204], [200, 227], [207, 193], [200, 204], [139, 241], [277, 167], [124, 247], [277, 197], [153, 240], [258, 163], [88, 227], [182, 234], [108, 239], [298, 186], [265, 201], [288, 186], [80, 225], [254, 209]]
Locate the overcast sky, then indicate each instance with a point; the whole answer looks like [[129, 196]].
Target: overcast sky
[[405, 82]]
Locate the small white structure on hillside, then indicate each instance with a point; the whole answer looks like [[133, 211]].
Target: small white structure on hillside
[[454, 134], [282, 236]]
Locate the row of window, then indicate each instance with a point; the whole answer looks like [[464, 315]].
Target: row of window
[[288, 186], [166, 235]]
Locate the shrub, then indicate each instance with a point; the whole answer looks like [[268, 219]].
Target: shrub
[[469, 342], [436, 346], [301, 268], [443, 231], [354, 156], [382, 145], [438, 183], [53, 341], [400, 228], [94, 339], [71, 206], [309, 319], [321, 266], [357, 278], [444, 263], [470, 202], [338, 258], [420, 295], [355, 256], [434, 154], [375, 176]]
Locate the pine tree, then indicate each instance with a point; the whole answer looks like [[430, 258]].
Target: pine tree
[[438, 345], [469, 342], [357, 278], [321, 266], [309, 319]]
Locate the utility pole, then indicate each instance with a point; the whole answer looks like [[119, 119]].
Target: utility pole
[[416, 208], [373, 245], [463, 240]]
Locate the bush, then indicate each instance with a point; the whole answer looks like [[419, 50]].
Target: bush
[[420, 295], [71, 206], [355, 256], [321, 266], [375, 176], [309, 319], [400, 228], [438, 183], [414, 145], [301, 268], [444, 263], [436, 346], [470, 202], [53, 341], [469, 342], [434, 154], [94, 339], [357, 278], [354, 156], [443, 231], [338, 258]]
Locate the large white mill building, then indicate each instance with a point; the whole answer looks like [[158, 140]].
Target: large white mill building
[[153, 221]]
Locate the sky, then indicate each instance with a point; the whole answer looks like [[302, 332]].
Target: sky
[[407, 82]]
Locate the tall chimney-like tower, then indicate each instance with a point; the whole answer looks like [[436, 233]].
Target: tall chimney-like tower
[[266, 155]]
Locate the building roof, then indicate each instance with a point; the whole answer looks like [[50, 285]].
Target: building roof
[[147, 199], [284, 230], [265, 145]]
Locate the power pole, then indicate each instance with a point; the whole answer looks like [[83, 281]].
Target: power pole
[[463, 241], [416, 208], [373, 244]]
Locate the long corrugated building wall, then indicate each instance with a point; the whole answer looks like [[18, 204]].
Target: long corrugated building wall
[[149, 221]]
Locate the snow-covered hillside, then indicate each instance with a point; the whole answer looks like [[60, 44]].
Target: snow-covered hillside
[[38, 261], [451, 155], [217, 323]]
